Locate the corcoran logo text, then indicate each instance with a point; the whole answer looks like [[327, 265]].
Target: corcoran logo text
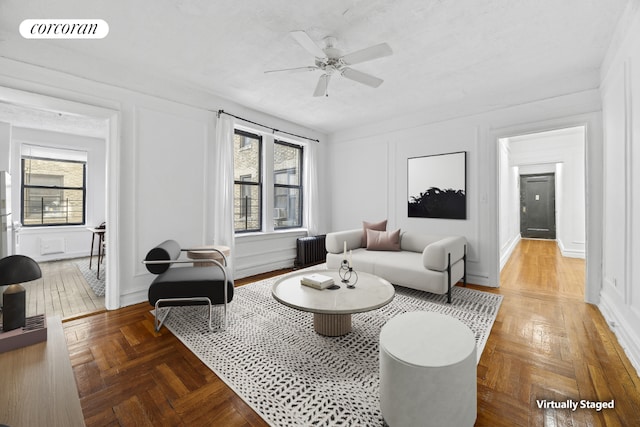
[[64, 29]]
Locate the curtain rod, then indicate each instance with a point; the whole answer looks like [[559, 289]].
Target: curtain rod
[[265, 126]]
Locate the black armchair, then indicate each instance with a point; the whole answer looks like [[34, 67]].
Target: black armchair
[[192, 285]]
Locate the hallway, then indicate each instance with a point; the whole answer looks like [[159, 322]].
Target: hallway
[[548, 344]]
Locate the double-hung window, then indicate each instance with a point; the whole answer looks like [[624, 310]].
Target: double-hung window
[[287, 183], [247, 151], [268, 183], [53, 192]]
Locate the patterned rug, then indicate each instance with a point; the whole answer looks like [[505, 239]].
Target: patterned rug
[[90, 275], [271, 356]]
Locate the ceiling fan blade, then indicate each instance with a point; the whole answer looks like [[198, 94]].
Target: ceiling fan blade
[[323, 84], [293, 70], [373, 52], [306, 42], [360, 77]]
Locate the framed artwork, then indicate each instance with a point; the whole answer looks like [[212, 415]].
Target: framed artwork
[[437, 186]]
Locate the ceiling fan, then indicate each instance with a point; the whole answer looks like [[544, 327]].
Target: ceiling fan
[[331, 61]]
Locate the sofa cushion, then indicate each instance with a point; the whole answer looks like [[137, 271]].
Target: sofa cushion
[[402, 268], [378, 226], [383, 240], [188, 282], [415, 242], [405, 270]]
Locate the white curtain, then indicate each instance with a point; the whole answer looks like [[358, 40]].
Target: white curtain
[[311, 203], [223, 228]]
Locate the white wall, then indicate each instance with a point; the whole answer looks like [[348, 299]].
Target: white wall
[[620, 296], [543, 153], [64, 241], [369, 181], [5, 146], [158, 188], [509, 196]]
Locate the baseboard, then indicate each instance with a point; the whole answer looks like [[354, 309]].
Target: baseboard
[[62, 256], [628, 339], [570, 253], [135, 298], [479, 280], [510, 247], [263, 268]]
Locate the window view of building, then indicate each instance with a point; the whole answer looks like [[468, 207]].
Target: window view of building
[[250, 175], [53, 192], [287, 181], [247, 151]]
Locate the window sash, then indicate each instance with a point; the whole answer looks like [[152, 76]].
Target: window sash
[[52, 205], [289, 215], [247, 215]]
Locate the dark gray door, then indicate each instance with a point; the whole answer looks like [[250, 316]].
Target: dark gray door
[[538, 206]]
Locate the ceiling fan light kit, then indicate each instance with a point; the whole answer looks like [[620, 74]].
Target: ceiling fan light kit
[[331, 61]]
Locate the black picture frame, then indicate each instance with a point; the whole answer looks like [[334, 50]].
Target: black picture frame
[[437, 186]]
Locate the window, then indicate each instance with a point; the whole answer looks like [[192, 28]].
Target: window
[[247, 151], [268, 183], [53, 192], [287, 183]]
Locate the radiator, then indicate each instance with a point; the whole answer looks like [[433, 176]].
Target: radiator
[[310, 250], [52, 246]]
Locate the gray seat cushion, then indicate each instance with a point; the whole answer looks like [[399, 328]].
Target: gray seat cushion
[[189, 282]]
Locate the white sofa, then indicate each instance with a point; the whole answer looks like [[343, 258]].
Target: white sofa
[[424, 262]]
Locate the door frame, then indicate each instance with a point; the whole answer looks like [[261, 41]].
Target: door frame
[[112, 116], [594, 172]]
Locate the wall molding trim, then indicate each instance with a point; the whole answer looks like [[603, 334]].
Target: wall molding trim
[[508, 249], [571, 253], [621, 327]]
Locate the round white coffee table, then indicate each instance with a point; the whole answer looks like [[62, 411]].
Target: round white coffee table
[[332, 309]]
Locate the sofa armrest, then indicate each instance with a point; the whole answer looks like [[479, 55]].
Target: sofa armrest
[[334, 242], [436, 255]]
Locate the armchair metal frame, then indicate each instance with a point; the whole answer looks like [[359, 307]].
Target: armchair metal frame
[[158, 322]]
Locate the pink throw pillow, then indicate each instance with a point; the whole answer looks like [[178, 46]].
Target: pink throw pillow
[[383, 240], [379, 226]]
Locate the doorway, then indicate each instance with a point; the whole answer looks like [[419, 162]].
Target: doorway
[[543, 173], [538, 206], [110, 134]]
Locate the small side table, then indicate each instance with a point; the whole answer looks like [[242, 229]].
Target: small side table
[[208, 252], [428, 371], [100, 233]]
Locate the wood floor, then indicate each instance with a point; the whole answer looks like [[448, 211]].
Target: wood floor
[[546, 343], [61, 291]]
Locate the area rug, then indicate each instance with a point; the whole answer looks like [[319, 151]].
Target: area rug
[[272, 358], [90, 275]]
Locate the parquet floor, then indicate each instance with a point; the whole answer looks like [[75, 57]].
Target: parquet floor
[[546, 344]]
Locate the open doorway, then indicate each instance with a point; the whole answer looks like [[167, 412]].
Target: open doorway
[[542, 190], [50, 122]]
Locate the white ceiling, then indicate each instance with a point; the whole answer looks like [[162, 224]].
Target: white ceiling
[[450, 56], [74, 124]]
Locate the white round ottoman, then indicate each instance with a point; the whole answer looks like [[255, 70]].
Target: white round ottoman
[[427, 371]]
